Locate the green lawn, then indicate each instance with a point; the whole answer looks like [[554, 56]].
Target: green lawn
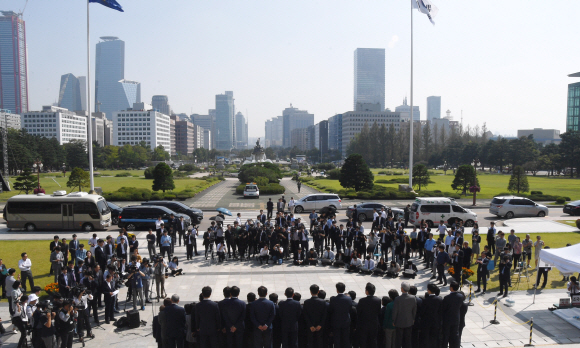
[[51, 181], [553, 240], [491, 184], [39, 254]]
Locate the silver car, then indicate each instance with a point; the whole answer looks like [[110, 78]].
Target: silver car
[[318, 201], [512, 206], [365, 211]]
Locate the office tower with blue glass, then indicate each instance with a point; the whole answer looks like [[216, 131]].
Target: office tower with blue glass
[[224, 120], [433, 108], [369, 76], [13, 63], [69, 95]]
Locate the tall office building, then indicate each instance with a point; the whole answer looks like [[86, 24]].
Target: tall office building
[[335, 132], [55, 122], [13, 63], [161, 104], [207, 122], [241, 132], [83, 88], [405, 111], [369, 76], [274, 132], [354, 121], [433, 108], [138, 124], [184, 137], [69, 95], [294, 119], [112, 92], [573, 114], [224, 119]]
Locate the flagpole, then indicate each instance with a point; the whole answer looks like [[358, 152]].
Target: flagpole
[[89, 118], [411, 120]]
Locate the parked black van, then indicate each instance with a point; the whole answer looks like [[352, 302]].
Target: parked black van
[[196, 215], [140, 217]]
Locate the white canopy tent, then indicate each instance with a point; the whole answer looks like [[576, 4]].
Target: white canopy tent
[[566, 260]]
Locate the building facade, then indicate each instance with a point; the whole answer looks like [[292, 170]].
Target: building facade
[[573, 114], [161, 104], [13, 63], [300, 139], [335, 133], [98, 127], [354, 121], [541, 135], [10, 120], [224, 120], [135, 125], [69, 95], [241, 131], [207, 139], [294, 118], [198, 137], [433, 108], [405, 111], [184, 137], [274, 132], [369, 76], [55, 122]]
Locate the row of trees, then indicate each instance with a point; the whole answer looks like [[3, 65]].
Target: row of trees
[[381, 146]]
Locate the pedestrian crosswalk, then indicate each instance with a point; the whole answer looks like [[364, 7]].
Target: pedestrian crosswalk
[[253, 214]]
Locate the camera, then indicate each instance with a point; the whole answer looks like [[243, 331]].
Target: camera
[[131, 269]]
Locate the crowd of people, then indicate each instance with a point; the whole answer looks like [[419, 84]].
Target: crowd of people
[[401, 319]]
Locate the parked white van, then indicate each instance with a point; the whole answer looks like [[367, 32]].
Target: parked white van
[[435, 209]]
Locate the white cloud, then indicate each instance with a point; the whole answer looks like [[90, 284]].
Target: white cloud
[[393, 41]]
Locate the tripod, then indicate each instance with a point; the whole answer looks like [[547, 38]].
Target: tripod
[[522, 266]]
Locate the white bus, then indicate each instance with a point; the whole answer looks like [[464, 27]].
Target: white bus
[[59, 211]]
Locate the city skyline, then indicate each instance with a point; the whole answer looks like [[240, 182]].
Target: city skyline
[[462, 58]]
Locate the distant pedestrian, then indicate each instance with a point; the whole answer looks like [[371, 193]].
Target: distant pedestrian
[[299, 184]]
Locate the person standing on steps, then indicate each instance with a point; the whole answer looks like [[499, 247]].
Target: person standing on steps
[[299, 184], [270, 207]]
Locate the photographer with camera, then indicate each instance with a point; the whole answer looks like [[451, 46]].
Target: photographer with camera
[[159, 267], [43, 329], [66, 324], [81, 299], [19, 318], [135, 278]]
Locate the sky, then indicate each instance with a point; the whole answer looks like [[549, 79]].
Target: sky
[[504, 63]]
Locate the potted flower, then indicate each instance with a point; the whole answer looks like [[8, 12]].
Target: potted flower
[[51, 289]]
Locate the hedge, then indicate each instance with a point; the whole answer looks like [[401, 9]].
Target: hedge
[[143, 194], [270, 189], [385, 193], [536, 197], [123, 175]]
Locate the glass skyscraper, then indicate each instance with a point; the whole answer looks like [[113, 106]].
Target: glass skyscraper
[[433, 108], [293, 119], [69, 95], [573, 114], [241, 131], [13, 63], [369, 76], [224, 120]]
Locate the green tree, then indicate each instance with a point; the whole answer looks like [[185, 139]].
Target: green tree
[[76, 154], [26, 181], [78, 177], [570, 151], [356, 174], [162, 177], [421, 176], [159, 154], [465, 177], [519, 181]]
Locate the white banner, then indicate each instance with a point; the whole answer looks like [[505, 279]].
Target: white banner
[[426, 7]]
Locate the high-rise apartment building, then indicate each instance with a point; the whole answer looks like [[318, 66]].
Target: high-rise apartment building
[[224, 120], [354, 121], [433, 108], [112, 92], [300, 138], [294, 119], [55, 122], [69, 95], [138, 124], [13, 63], [161, 104], [241, 131], [405, 111], [369, 76], [274, 132], [573, 114]]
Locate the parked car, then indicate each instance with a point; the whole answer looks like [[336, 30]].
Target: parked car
[[196, 215], [318, 201], [572, 208], [436, 209], [251, 190], [365, 210], [115, 211], [142, 217], [512, 206]]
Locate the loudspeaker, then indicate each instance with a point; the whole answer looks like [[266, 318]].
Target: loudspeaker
[[133, 316]]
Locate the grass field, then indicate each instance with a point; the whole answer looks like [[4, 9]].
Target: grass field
[[51, 181], [491, 184]]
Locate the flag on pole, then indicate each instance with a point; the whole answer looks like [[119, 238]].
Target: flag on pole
[[426, 7], [110, 4]]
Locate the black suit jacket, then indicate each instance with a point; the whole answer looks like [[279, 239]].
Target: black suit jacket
[[207, 317], [431, 311], [233, 313], [61, 281], [262, 312], [290, 311], [73, 245], [368, 309], [340, 308], [174, 321], [296, 258], [315, 312], [120, 250], [54, 245], [450, 309], [106, 289], [100, 257]]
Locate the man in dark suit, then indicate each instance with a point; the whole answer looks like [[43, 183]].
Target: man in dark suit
[[180, 228], [450, 311], [290, 311], [233, 313], [482, 272], [431, 317], [109, 247], [262, 217], [65, 283], [462, 313], [315, 317], [262, 314], [122, 250], [221, 304], [270, 207], [207, 320], [107, 289], [299, 257], [276, 323], [339, 312], [404, 313], [174, 324], [55, 243], [368, 309], [100, 256], [73, 246]]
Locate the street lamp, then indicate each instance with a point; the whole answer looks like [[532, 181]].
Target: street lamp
[[37, 165], [474, 188]]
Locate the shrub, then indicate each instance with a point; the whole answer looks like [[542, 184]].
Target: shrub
[[560, 200], [578, 223], [123, 175], [333, 174], [149, 173], [536, 193], [187, 168]]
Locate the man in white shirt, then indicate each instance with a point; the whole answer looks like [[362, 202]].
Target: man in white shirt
[[355, 264], [239, 219], [327, 257], [368, 266], [448, 240], [442, 229], [221, 250], [383, 217], [264, 254], [291, 205], [158, 230], [25, 271], [93, 243]]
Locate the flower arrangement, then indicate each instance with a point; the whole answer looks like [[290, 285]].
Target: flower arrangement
[[51, 288], [466, 272]]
